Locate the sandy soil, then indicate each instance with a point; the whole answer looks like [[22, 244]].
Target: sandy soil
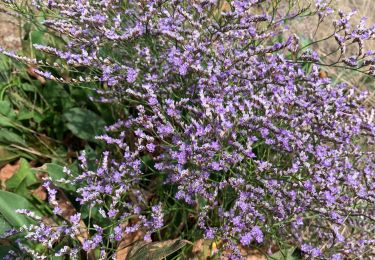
[[10, 32], [306, 28]]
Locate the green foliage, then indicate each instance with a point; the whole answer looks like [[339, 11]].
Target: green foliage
[[21, 180], [44, 120], [285, 254], [9, 203], [84, 123], [56, 172], [6, 156], [7, 136]]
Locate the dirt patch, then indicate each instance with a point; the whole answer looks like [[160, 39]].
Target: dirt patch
[[10, 32], [307, 28]]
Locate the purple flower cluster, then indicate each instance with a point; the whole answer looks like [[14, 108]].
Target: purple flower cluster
[[263, 150]]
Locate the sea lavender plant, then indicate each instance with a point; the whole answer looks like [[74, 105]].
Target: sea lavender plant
[[262, 150]]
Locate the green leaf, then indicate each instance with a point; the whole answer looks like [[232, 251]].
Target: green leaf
[[57, 96], [28, 87], [4, 225], [8, 137], [4, 250], [22, 178], [6, 156], [37, 37], [9, 203], [56, 172], [25, 114], [84, 123], [5, 121], [5, 107], [286, 254], [155, 250]]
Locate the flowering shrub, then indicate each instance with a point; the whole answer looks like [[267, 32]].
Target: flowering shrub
[[259, 148]]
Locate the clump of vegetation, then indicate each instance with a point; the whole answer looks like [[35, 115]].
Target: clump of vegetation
[[223, 129]]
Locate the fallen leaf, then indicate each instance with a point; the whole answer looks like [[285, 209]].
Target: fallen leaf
[[225, 7], [323, 74], [252, 254], [155, 250], [206, 249], [7, 172], [126, 244], [41, 175], [202, 249], [40, 193], [49, 221], [33, 74]]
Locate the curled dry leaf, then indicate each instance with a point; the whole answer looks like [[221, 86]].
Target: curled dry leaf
[[126, 244], [225, 6], [209, 249], [68, 210], [133, 247], [203, 249], [63, 202], [323, 74], [252, 254], [40, 193], [155, 250], [7, 172], [30, 71]]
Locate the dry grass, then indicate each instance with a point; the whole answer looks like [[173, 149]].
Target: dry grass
[[306, 28]]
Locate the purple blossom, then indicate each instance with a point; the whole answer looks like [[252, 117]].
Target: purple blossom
[[255, 145], [131, 75], [246, 239]]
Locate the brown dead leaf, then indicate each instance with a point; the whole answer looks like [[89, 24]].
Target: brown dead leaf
[[33, 74], [65, 205], [8, 170], [40, 193], [252, 254], [155, 250], [68, 210], [48, 221], [206, 249], [323, 74], [203, 249], [222, 7], [225, 7], [127, 243]]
